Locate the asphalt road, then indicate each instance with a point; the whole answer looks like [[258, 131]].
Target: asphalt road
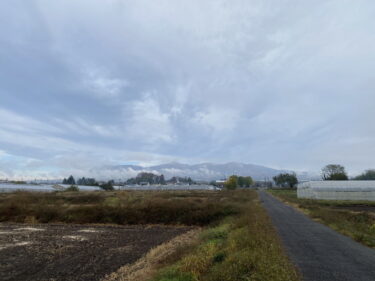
[[320, 253]]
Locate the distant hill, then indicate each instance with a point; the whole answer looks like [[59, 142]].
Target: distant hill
[[204, 171]]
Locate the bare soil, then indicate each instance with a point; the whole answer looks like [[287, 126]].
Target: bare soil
[[357, 208], [74, 252]]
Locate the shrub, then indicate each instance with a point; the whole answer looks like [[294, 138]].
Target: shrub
[[108, 186], [72, 188]]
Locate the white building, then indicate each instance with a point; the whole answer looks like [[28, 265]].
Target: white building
[[337, 190]]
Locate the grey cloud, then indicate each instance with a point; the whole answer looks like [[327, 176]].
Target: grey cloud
[[283, 83]]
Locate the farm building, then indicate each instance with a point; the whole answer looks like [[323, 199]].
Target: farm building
[[337, 190]]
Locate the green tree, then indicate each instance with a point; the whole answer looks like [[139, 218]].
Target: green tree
[[86, 181], [161, 180], [245, 181], [334, 172], [367, 175], [108, 186], [147, 177], [70, 181], [231, 183], [286, 180], [174, 180]]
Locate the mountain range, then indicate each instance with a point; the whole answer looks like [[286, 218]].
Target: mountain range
[[203, 171]]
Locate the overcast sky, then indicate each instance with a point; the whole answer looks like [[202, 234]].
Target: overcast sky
[[85, 83]]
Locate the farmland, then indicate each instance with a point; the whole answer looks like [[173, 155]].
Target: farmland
[[74, 252], [121, 207], [94, 234]]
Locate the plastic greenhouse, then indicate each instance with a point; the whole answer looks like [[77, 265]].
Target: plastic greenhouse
[[337, 190]]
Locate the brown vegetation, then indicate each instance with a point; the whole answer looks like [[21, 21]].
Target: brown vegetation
[[120, 207]]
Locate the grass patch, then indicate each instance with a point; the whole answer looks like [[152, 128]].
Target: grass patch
[[352, 218], [242, 247]]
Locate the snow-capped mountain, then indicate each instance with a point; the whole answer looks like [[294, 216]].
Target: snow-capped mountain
[[204, 171]]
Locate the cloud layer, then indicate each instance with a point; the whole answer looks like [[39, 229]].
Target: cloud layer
[[281, 83]]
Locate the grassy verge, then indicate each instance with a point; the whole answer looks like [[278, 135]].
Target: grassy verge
[[242, 247], [343, 216], [120, 207]]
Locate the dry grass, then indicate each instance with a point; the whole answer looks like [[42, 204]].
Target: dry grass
[[120, 207], [359, 225], [146, 267], [243, 247]]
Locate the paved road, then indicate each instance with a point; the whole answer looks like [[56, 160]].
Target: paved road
[[319, 252]]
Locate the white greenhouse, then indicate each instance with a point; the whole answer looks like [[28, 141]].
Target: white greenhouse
[[337, 190]]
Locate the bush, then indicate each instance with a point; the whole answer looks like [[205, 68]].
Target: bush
[[108, 186], [72, 188]]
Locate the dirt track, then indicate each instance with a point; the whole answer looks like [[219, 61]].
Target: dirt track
[[74, 252]]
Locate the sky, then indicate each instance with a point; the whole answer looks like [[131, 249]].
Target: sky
[[91, 83]]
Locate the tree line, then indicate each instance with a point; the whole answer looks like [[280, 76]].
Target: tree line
[[151, 178], [338, 172], [89, 182], [285, 180], [141, 178], [328, 173], [235, 181]]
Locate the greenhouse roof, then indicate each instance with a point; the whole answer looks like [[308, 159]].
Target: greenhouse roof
[[339, 185]]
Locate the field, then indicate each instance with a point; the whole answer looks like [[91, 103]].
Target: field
[[74, 252], [121, 207], [133, 235], [351, 218]]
